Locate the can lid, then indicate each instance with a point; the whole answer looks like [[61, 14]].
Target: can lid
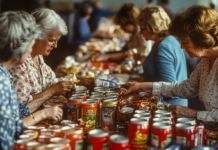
[[118, 139], [32, 144], [59, 140], [35, 128], [93, 100], [77, 131], [68, 122], [144, 118], [22, 141], [161, 119], [79, 94], [55, 146], [110, 101], [136, 115], [145, 114], [96, 93], [142, 111], [186, 120], [161, 125], [88, 103], [75, 98], [98, 133], [184, 126], [45, 136], [138, 121], [162, 112]]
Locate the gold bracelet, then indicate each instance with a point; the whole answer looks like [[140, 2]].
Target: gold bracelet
[[33, 118]]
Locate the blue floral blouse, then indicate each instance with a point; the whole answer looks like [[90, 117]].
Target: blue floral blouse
[[10, 123]]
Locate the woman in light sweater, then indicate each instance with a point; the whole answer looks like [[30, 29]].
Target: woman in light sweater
[[198, 35]]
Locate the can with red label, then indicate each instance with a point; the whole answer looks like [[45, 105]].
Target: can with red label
[[138, 134], [75, 136], [185, 134], [21, 144], [190, 121], [56, 146], [160, 134], [51, 132], [35, 146], [88, 113], [74, 106], [58, 140], [119, 142], [201, 135], [98, 139]]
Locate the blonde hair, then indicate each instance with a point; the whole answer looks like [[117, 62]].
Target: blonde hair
[[155, 20], [127, 15], [198, 24]]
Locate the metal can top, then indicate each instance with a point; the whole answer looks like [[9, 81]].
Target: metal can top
[[98, 133], [119, 139], [50, 130], [162, 115], [184, 126], [59, 140], [162, 112], [68, 122], [56, 146], [144, 118], [160, 125], [142, 111], [186, 120], [72, 100], [96, 93], [79, 94], [93, 100], [88, 103], [161, 119], [33, 144], [112, 92], [138, 121], [136, 115], [110, 97], [22, 141], [145, 114], [36, 128], [110, 102]]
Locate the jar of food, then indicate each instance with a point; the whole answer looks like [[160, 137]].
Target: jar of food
[[88, 114], [74, 107]]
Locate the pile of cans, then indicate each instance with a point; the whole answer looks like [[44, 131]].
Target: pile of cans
[[96, 109], [160, 128]]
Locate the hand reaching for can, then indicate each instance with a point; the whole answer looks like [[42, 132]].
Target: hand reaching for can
[[54, 113], [61, 88]]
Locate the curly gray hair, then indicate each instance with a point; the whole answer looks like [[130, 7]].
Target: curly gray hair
[[48, 20], [17, 31]]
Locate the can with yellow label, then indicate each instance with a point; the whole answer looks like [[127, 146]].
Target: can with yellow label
[[108, 115]]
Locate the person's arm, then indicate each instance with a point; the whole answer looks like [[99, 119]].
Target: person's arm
[[106, 13]]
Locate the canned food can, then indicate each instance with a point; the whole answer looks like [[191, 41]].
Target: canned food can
[[185, 134], [58, 140], [161, 134], [108, 115], [164, 112], [119, 142], [190, 121], [97, 93], [141, 115], [45, 138], [98, 103], [69, 123], [164, 116], [55, 126], [161, 119], [138, 134], [75, 137], [89, 113], [98, 139], [35, 128], [50, 132], [74, 107], [201, 135], [21, 144]]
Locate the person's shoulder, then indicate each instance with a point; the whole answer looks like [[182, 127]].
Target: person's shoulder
[[169, 40]]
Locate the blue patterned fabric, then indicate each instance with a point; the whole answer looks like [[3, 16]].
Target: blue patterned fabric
[[10, 123], [24, 110]]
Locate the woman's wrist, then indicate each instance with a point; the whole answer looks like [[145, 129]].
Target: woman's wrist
[[147, 87]]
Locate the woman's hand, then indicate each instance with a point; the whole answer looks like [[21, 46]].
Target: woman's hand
[[54, 113], [181, 111], [138, 87], [61, 88]]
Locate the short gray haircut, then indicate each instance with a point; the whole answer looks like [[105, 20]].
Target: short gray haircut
[[48, 20], [17, 29]]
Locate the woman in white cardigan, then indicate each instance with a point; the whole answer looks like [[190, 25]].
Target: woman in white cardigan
[[197, 30]]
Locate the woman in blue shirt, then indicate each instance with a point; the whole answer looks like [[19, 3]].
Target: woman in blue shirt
[[18, 31], [166, 61]]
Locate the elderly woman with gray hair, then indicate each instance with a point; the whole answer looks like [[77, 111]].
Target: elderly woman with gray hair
[[34, 81], [18, 31]]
